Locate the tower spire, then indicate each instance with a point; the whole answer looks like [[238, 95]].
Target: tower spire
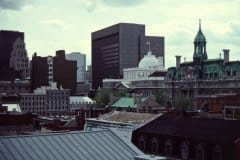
[[199, 24]]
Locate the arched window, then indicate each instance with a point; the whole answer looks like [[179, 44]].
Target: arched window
[[217, 153], [200, 152], [168, 147], [184, 150], [154, 145], [141, 143]]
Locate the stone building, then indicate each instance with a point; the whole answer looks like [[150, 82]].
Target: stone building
[[147, 78], [46, 101], [202, 76], [180, 137], [14, 62]]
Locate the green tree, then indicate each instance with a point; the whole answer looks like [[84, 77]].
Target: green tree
[[120, 93], [161, 99], [181, 103], [102, 98]]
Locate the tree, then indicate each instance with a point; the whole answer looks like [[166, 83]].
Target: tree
[[181, 103], [102, 98], [161, 99], [120, 93]]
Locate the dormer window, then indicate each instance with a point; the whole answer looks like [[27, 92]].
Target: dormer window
[[154, 145], [168, 148], [217, 153], [199, 152], [141, 143], [184, 150]]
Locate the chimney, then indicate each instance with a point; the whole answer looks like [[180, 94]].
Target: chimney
[[80, 118], [60, 54], [226, 55], [178, 61]]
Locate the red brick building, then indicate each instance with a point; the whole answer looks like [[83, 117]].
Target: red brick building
[[216, 103]]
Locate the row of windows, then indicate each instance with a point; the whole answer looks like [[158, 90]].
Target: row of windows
[[30, 103], [57, 93], [43, 108], [57, 98], [33, 103], [33, 98], [184, 149]]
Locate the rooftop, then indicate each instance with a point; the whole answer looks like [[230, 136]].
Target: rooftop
[[212, 130], [95, 145], [129, 117]]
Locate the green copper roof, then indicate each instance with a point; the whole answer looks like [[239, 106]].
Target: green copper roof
[[200, 36], [124, 102]]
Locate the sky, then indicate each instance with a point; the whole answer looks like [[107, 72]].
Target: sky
[[50, 25]]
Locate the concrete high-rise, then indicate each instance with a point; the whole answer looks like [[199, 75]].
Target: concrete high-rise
[[120, 46], [14, 62], [81, 64]]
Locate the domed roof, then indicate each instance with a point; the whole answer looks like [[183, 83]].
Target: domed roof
[[200, 36], [149, 61]]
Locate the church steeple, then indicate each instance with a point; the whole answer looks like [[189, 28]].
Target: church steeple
[[200, 53]]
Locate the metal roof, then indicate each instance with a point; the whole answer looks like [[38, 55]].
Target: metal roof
[[124, 102], [65, 146]]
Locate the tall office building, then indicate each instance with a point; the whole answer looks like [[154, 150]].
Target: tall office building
[[81, 64], [46, 70], [14, 62], [120, 46]]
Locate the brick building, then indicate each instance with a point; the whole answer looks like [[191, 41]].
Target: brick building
[[189, 138], [54, 69]]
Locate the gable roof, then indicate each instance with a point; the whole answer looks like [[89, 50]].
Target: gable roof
[[63, 146], [214, 130]]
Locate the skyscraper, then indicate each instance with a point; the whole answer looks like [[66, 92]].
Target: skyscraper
[[14, 62], [81, 64], [120, 46]]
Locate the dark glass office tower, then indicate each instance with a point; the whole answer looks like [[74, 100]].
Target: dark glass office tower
[[120, 46]]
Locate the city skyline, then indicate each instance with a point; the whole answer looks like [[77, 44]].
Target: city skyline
[[68, 25]]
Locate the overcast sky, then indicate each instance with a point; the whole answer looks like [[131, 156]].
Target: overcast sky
[[50, 25]]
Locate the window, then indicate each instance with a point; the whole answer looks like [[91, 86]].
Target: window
[[184, 150], [168, 147], [200, 152], [217, 153], [154, 145], [141, 143]]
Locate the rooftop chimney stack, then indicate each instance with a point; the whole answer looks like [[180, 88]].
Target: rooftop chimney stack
[[178, 61], [226, 55]]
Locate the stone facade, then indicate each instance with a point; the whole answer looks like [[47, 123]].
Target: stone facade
[[19, 60], [46, 101], [203, 76]]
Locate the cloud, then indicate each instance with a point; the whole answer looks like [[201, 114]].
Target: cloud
[[92, 5], [56, 24], [13, 4], [89, 5], [235, 29], [122, 3]]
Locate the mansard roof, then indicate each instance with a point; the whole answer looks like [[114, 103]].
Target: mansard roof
[[213, 130]]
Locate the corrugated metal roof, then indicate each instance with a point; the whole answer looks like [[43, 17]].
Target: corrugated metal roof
[[65, 146]]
